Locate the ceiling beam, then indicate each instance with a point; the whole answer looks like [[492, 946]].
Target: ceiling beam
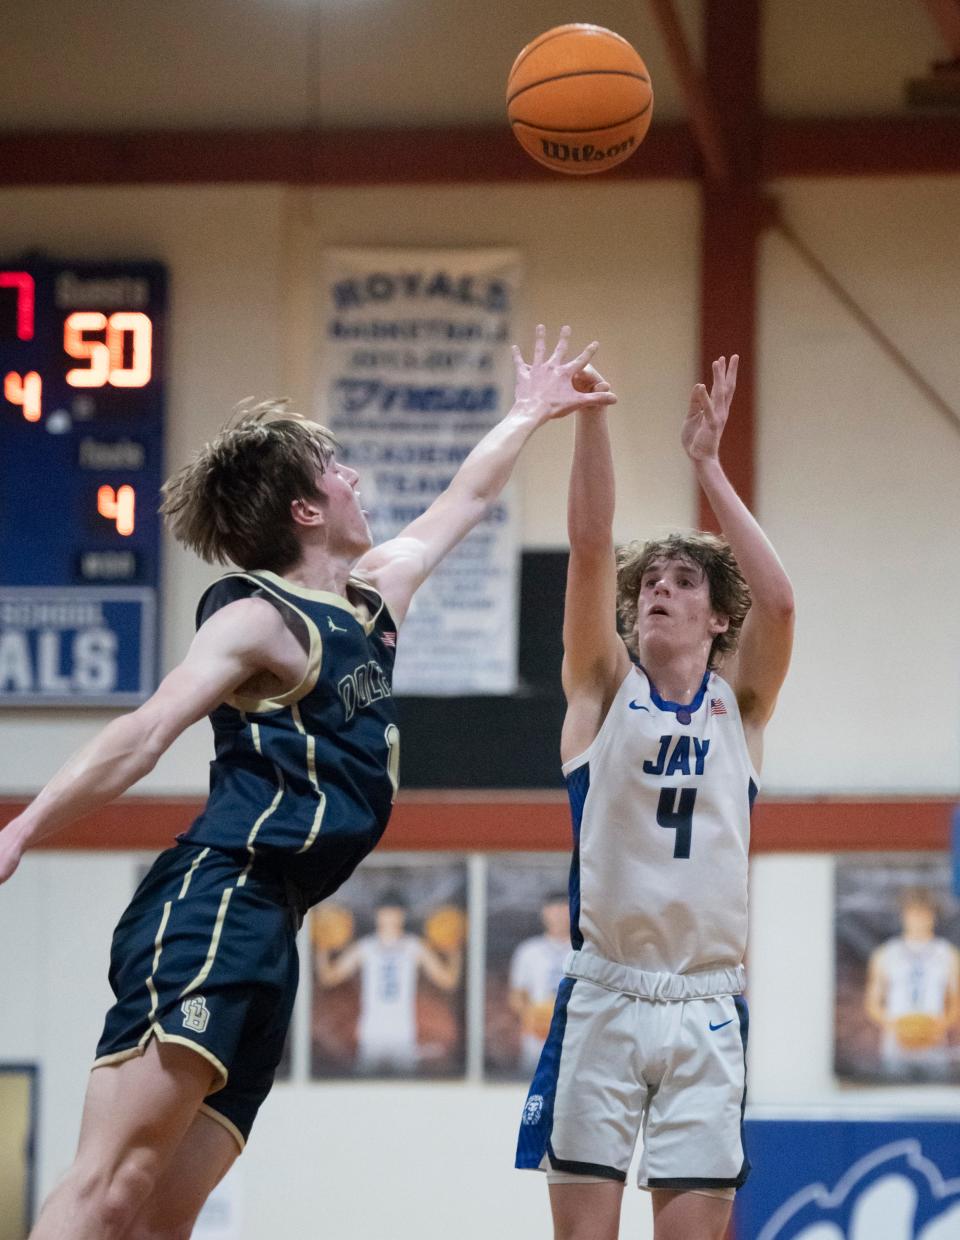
[[870, 146], [731, 223], [700, 106], [865, 146], [946, 18]]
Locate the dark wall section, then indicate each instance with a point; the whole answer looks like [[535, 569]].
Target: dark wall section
[[499, 742]]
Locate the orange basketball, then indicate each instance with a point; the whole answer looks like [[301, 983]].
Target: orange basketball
[[579, 99]]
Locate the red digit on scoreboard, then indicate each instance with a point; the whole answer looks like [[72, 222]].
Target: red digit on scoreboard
[[22, 281]]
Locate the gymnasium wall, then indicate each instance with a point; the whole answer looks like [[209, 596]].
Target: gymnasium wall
[[855, 470], [856, 485]]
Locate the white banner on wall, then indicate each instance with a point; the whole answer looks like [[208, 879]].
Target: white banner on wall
[[416, 368]]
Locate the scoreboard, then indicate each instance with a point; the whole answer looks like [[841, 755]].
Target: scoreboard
[[81, 464]]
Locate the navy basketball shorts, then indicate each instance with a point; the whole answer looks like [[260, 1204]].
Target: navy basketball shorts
[[633, 1054], [205, 957]]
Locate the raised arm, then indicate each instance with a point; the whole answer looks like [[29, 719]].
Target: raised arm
[[444, 969], [766, 641], [595, 660], [332, 971], [242, 639], [544, 390]]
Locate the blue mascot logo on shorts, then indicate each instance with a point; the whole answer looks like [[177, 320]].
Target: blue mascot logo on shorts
[[533, 1109], [892, 1193]]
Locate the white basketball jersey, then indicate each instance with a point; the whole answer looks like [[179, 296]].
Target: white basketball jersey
[[388, 990], [537, 967], [661, 806], [917, 976]]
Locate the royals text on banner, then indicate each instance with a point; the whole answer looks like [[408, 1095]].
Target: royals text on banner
[[415, 369]]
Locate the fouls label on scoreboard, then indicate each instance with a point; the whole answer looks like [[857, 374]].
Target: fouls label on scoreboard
[[83, 647]]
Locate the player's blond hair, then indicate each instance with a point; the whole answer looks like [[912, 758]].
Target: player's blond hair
[[232, 502], [729, 592]]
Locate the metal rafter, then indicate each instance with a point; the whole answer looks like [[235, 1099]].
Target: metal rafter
[[700, 106]]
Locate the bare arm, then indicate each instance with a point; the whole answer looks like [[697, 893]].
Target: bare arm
[[243, 639], [951, 1013], [544, 390], [594, 658], [875, 996], [443, 970], [330, 972], [766, 640]]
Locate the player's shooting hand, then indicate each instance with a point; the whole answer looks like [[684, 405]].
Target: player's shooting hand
[[548, 386], [11, 850], [707, 416], [589, 379]]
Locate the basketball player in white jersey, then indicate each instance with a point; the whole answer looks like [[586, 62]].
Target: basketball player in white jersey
[[661, 746], [536, 968], [389, 962], [913, 992]]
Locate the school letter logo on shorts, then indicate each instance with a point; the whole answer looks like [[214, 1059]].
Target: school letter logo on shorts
[[533, 1109], [196, 1014]]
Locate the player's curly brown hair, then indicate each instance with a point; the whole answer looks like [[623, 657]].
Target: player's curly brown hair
[[232, 502], [729, 592]]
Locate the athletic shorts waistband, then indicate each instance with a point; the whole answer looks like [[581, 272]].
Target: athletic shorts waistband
[[659, 987]]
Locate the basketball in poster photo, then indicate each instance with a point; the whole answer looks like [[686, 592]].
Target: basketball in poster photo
[[898, 971], [528, 940], [388, 973]]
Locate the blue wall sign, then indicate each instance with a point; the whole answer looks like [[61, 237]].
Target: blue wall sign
[[81, 464]]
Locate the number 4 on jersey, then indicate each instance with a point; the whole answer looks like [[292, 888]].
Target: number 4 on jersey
[[677, 815]]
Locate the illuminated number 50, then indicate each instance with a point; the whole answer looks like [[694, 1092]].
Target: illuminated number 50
[[105, 357]]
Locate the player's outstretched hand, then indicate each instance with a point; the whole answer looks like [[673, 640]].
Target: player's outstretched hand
[[10, 854], [708, 412], [548, 385]]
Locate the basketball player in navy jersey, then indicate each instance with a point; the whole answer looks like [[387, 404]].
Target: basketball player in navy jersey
[[292, 660], [661, 746]]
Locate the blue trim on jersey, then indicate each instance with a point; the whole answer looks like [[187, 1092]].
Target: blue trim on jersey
[[743, 1013], [663, 704], [752, 791], [578, 785], [534, 1138]]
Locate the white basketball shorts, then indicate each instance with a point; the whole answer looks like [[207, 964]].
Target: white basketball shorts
[[633, 1053]]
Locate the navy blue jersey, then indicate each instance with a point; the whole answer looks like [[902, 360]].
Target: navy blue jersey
[[305, 780]]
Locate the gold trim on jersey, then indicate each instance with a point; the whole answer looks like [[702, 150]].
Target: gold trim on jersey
[[257, 706], [311, 744], [241, 881], [158, 1032], [214, 945], [327, 596], [157, 949], [222, 1120], [188, 877]]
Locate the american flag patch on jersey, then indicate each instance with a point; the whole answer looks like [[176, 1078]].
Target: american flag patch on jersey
[[717, 707], [389, 639]]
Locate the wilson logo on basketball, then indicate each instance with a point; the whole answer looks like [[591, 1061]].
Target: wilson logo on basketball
[[562, 152]]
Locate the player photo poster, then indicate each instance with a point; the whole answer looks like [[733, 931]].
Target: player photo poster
[[415, 369], [528, 940], [388, 957], [897, 930]]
